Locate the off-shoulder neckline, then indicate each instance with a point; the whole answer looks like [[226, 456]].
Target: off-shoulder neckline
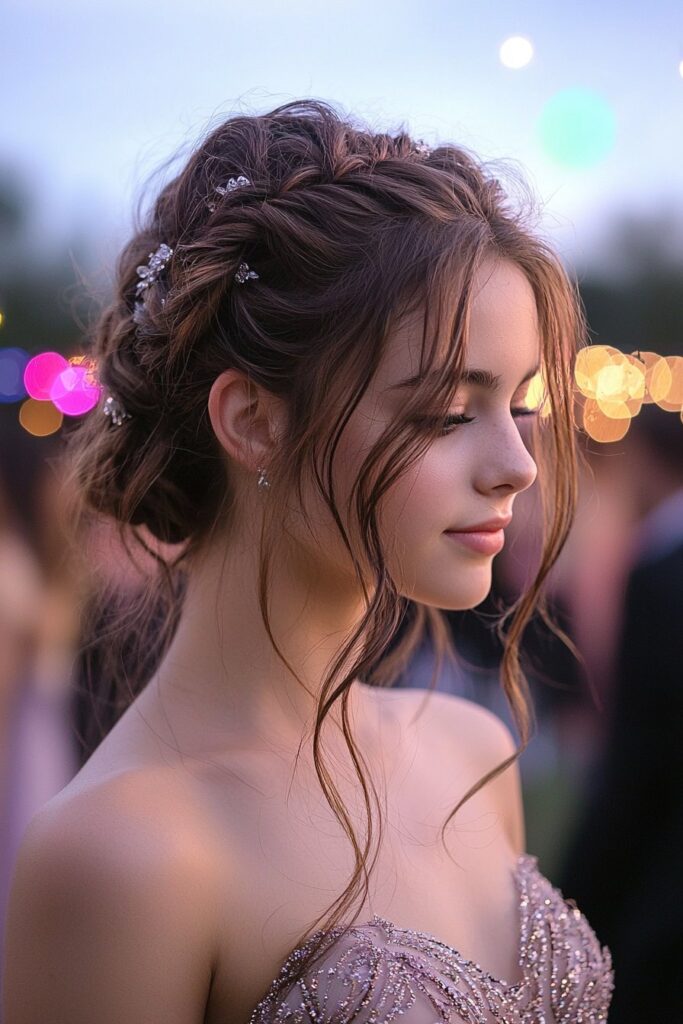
[[525, 861]]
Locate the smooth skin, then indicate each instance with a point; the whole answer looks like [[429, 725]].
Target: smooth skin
[[114, 913]]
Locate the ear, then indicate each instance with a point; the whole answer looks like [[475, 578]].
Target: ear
[[246, 419]]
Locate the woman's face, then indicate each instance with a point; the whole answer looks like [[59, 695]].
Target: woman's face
[[468, 475]]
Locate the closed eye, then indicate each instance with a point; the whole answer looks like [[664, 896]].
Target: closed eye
[[459, 419]]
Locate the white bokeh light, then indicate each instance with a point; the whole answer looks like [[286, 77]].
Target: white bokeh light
[[516, 52]]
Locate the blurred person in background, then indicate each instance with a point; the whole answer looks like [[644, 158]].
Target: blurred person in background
[[38, 632], [624, 863]]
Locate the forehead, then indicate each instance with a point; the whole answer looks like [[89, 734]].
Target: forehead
[[503, 335]]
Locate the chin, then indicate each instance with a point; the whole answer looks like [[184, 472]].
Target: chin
[[469, 597], [464, 606], [457, 602]]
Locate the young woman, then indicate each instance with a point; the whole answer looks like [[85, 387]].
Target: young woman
[[316, 369]]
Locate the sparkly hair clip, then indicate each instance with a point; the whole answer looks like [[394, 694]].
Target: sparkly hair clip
[[422, 148], [244, 273], [233, 183], [114, 409], [155, 264], [148, 274]]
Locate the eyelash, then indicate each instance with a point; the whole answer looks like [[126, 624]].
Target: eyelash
[[459, 419]]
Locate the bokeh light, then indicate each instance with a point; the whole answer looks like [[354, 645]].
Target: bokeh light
[[516, 52], [72, 391], [537, 396], [40, 373], [577, 127], [601, 427], [613, 386], [666, 383], [12, 365], [39, 418]]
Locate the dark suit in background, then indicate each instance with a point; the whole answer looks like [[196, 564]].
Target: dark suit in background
[[624, 865]]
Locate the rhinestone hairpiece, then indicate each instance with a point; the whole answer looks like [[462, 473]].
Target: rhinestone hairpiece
[[155, 264], [114, 409], [243, 273], [148, 274], [233, 183], [422, 147]]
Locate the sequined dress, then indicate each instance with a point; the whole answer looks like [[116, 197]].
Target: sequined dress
[[377, 973]]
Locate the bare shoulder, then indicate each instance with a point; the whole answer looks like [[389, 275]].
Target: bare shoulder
[[111, 911], [486, 738], [455, 712]]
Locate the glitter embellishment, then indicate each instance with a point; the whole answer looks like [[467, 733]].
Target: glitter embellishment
[[232, 184], [243, 273], [378, 972], [239, 182], [114, 409], [155, 264], [147, 275]]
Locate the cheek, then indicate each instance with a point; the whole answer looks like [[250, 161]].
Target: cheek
[[348, 457], [424, 502]]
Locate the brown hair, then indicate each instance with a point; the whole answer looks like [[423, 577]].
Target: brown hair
[[350, 230]]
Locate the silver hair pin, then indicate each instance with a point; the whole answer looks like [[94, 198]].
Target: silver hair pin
[[148, 274], [114, 409], [422, 147], [233, 183], [244, 273], [155, 264]]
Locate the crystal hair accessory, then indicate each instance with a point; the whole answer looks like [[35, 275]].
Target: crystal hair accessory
[[422, 147], [155, 264], [233, 183], [114, 409], [243, 273], [148, 274]]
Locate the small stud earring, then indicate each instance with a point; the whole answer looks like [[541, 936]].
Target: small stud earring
[[263, 480]]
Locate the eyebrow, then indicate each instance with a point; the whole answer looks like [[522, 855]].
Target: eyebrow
[[473, 375]]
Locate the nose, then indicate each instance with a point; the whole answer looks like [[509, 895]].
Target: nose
[[509, 464]]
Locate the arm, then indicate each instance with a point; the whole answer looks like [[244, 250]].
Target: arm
[[107, 922]]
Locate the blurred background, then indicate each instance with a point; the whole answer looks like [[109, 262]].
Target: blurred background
[[587, 100]]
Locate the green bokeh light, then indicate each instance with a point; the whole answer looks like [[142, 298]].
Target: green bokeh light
[[577, 127]]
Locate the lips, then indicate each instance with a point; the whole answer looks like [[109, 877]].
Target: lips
[[489, 526]]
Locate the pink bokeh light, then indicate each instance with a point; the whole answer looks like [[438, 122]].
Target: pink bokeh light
[[72, 390], [40, 373]]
